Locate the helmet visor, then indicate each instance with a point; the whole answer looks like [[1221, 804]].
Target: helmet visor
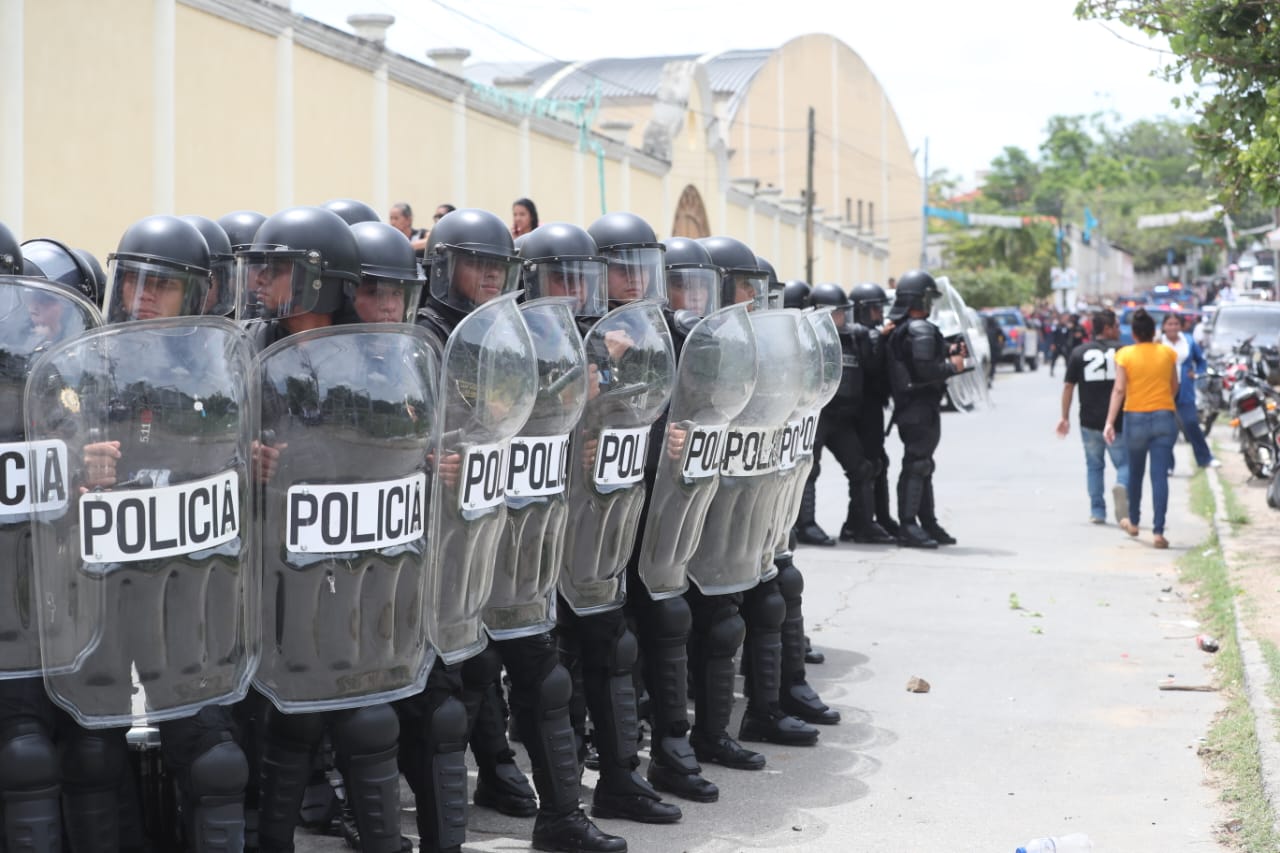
[[221, 301], [148, 290], [384, 300], [695, 289], [581, 280], [636, 274], [277, 283], [747, 286], [465, 278]]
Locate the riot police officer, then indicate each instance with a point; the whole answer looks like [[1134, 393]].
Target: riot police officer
[[471, 261], [919, 364], [351, 210], [50, 259], [241, 226], [296, 275], [222, 301], [868, 316]]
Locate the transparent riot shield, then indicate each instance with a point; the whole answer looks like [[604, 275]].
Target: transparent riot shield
[[740, 521], [348, 421], [532, 540], [34, 316], [968, 390], [154, 560], [488, 389], [795, 454], [631, 370], [714, 381]]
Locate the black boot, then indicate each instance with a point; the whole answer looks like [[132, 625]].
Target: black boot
[[806, 528], [910, 494], [812, 656], [500, 784], [797, 698], [621, 792], [712, 679], [884, 515], [929, 519], [860, 525], [573, 832], [764, 721]]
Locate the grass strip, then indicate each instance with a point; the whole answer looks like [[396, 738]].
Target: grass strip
[[1236, 513]]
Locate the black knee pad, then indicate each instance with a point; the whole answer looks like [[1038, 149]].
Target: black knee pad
[[448, 725], [790, 582], [726, 633], [221, 771], [369, 730], [918, 467], [555, 690], [765, 607], [625, 652], [863, 469], [669, 619], [28, 760], [94, 759], [877, 467]]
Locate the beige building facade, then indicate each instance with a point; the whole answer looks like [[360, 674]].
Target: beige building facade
[[208, 106]]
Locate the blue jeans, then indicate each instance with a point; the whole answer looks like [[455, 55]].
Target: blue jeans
[[1189, 420], [1150, 434], [1096, 451]]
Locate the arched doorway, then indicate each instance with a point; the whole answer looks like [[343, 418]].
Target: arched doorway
[[691, 215]]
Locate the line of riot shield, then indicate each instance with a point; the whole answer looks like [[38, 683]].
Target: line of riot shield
[[795, 456], [532, 543], [631, 370], [34, 316], [714, 381], [155, 562], [740, 521], [488, 389], [348, 420], [968, 390]]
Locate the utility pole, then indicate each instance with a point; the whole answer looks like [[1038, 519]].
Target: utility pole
[[924, 212], [808, 203]]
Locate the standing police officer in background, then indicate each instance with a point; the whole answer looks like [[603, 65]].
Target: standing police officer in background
[[920, 363], [868, 315]]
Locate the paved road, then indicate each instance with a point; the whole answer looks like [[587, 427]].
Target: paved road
[[1042, 720]]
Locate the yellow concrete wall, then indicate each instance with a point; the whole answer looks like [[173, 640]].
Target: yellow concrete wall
[[493, 163], [332, 136], [554, 166], [419, 151], [87, 120], [224, 116]]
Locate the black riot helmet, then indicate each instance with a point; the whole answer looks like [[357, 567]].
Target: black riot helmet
[[95, 268], [471, 259], [61, 264], [742, 279], [241, 226], [351, 210], [693, 279], [300, 262], [161, 268], [635, 258], [795, 294], [10, 253], [830, 294], [775, 286], [867, 297], [916, 289], [222, 296], [560, 259], [391, 281]]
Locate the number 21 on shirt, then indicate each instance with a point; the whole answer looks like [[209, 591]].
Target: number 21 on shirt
[[1100, 365]]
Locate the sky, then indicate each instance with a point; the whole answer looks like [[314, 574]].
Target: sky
[[971, 77]]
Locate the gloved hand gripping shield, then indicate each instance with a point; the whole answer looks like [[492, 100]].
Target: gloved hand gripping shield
[[532, 544], [34, 487], [631, 369], [153, 563], [348, 423], [742, 515], [968, 390], [820, 345], [714, 381], [488, 389]]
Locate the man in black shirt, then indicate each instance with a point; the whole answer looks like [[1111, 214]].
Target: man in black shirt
[[1092, 366]]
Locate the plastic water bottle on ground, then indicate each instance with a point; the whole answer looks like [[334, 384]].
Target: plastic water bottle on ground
[[1076, 842]]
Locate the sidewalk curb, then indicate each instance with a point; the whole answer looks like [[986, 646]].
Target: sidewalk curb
[[1257, 675]]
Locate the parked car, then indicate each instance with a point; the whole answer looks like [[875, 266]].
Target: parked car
[[1021, 341], [1233, 322]]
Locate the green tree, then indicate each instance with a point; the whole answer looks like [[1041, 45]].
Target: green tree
[[992, 288], [1230, 50]]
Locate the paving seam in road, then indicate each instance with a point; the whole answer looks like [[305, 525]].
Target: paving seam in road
[[1257, 675]]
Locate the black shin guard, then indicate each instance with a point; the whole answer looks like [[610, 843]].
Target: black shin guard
[[365, 740], [92, 762], [29, 782]]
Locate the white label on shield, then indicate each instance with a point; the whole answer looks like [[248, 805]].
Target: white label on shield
[[33, 477], [484, 470], [538, 465], [345, 517], [789, 445], [620, 456], [750, 452], [704, 447], [809, 433], [147, 524]]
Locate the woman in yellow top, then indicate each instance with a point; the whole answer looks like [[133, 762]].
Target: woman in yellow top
[[1146, 385]]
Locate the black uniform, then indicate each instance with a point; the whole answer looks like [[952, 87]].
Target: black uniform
[[876, 397]]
